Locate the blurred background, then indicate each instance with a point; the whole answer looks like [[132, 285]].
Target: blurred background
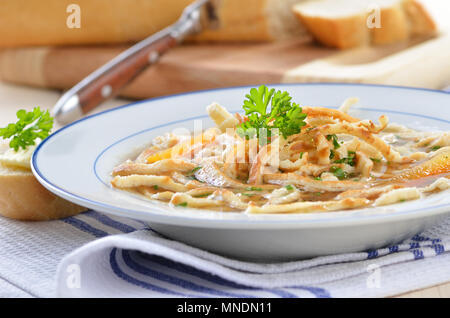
[[47, 46]]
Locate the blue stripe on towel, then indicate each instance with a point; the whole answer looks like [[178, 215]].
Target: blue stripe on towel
[[125, 228], [175, 280], [209, 277], [85, 227], [116, 269], [372, 254], [316, 291], [414, 245], [418, 254], [438, 248], [393, 249], [419, 238]]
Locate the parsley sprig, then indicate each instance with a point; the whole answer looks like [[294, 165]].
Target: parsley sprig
[[29, 127], [283, 115]]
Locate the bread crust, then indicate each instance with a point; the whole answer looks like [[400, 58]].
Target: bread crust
[[43, 22], [22, 197], [420, 21]]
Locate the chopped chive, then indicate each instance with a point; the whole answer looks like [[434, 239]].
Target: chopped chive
[[434, 148], [191, 174], [339, 173], [204, 195], [183, 204], [331, 153], [375, 159], [318, 178], [289, 187], [194, 170], [350, 160], [301, 155], [248, 194], [155, 187], [254, 189], [335, 140]]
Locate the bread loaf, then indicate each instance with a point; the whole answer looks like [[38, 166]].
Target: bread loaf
[[347, 23], [44, 22]]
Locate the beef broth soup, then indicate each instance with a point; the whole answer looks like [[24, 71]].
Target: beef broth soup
[[288, 159]]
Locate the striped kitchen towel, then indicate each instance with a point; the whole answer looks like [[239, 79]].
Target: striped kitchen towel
[[97, 255]]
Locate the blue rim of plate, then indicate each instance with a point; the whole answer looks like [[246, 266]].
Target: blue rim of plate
[[49, 185]]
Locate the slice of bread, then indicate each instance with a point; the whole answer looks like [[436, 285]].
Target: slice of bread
[[334, 23], [22, 197], [351, 23]]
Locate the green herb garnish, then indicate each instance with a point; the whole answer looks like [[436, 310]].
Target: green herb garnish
[[339, 173], [332, 154], [183, 204], [333, 137], [375, 159], [318, 178], [155, 187], [193, 171], [283, 115], [434, 148], [350, 160], [191, 174], [254, 189], [248, 194], [289, 187], [30, 126], [202, 195]]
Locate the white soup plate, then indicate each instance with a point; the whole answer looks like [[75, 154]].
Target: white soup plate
[[76, 161]]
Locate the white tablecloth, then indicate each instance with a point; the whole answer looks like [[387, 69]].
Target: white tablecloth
[[103, 256]]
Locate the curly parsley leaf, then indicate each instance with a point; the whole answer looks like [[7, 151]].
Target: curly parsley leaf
[[284, 115], [29, 127]]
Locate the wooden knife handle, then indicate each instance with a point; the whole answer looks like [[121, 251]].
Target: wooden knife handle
[[113, 79]]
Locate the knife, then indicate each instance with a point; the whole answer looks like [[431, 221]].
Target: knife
[[107, 81]]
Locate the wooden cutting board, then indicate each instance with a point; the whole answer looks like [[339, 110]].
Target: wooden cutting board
[[422, 63]]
